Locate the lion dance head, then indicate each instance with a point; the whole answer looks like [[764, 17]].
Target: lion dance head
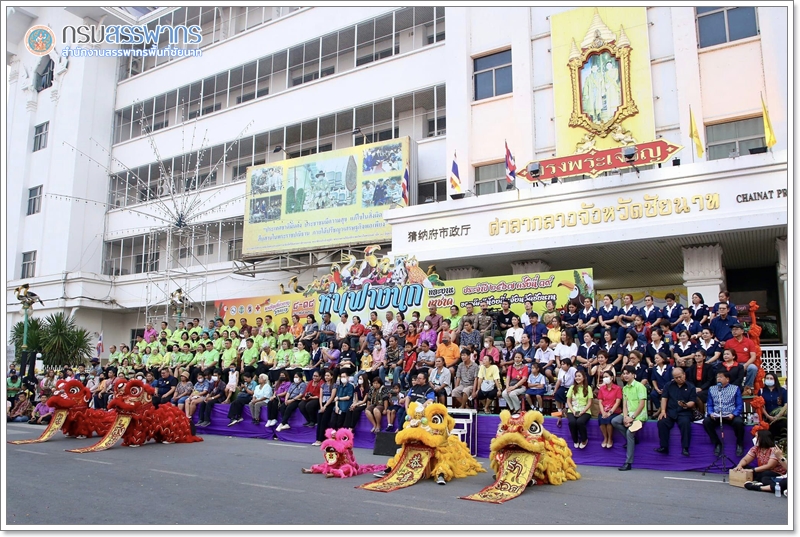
[[69, 394], [526, 431]]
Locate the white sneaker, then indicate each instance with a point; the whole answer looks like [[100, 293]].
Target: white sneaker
[[280, 427], [271, 423], [287, 426]]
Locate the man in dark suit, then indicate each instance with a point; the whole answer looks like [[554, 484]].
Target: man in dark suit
[[677, 406]]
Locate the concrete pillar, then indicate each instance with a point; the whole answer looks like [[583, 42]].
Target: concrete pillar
[[530, 266], [783, 285], [703, 272], [463, 273]]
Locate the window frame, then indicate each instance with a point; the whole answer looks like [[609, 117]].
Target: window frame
[[493, 70], [499, 181], [709, 145], [724, 10], [34, 200], [40, 136], [28, 268], [439, 190]]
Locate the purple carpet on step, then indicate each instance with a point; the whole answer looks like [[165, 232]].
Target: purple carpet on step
[[701, 448]]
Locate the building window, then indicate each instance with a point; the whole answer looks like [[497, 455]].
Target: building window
[[34, 200], [234, 249], [490, 179], [430, 192], [40, 136], [44, 74], [146, 262], [737, 137], [205, 249], [28, 265], [437, 127], [492, 75], [717, 25], [381, 136]]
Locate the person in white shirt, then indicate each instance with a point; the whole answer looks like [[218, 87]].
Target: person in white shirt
[[536, 387], [545, 356], [526, 317], [566, 378], [516, 330], [343, 329], [389, 326], [566, 349]]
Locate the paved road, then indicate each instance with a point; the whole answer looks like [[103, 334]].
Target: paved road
[[248, 481]]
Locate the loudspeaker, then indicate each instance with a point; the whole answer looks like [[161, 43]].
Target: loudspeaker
[[385, 445]]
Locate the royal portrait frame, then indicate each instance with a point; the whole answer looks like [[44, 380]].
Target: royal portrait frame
[[626, 109]]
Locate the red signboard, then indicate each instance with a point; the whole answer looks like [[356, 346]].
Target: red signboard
[[595, 162]]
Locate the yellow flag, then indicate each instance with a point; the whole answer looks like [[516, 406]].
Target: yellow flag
[[694, 135], [769, 134]]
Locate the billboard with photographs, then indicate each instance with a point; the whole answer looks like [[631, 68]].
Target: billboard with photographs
[[330, 199]]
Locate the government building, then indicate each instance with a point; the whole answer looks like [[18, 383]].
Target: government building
[[636, 141]]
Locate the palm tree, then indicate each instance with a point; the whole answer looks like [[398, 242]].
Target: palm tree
[[35, 333], [65, 343]]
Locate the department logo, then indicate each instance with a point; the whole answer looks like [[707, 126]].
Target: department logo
[[232, 310], [249, 308], [241, 310], [40, 40]]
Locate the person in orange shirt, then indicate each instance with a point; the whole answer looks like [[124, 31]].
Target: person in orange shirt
[[297, 329], [449, 352]]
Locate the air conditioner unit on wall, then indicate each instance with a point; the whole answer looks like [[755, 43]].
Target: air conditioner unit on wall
[[136, 66]]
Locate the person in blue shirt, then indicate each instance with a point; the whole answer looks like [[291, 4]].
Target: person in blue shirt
[[527, 350], [625, 317], [640, 370], [683, 351], [569, 320], [587, 318], [535, 329], [608, 315], [343, 399], [724, 298], [587, 353], [690, 325], [656, 345], [699, 309], [721, 324], [630, 344], [775, 398], [724, 404], [611, 347], [660, 375], [709, 346], [650, 313], [672, 311]]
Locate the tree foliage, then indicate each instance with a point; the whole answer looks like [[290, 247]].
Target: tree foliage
[[60, 340]]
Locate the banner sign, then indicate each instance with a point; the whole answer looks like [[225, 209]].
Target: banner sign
[[325, 200], [398, 284]]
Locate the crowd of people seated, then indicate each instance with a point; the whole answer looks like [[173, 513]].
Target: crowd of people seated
[[477, 359]]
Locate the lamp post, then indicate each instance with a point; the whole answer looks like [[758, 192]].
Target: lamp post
[[25, 309]]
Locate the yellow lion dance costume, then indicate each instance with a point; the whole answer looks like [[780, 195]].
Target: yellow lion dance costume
[[430, 426], [525, 431]]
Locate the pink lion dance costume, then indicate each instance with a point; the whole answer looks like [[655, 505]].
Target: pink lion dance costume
[[339, 458]]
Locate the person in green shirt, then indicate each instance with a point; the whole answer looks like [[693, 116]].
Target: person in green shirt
[[114, 357], [282, 358], [217, 340], [268, 338], [250, 356], [192, 329], [579, 403], [300, 359], [210, 359], [165, 328], [455, 317], [13, 387], [634, 412], [125, 369], [284, 335], [178, 333], [269, 324], [156, 362], [140, 343], [126, 353], [229, 354]]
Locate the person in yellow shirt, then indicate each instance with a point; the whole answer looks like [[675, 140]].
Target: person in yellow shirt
[[449, 352], [268, 358], [155, 362], [488, 383], [282, 358]]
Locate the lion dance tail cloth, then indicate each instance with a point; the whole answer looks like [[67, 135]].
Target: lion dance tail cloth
[[72, 414], [427, 450], [524, 453], [340, 461], [137, 422]]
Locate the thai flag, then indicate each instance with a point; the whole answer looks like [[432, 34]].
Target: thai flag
[[511, 167], [455, 180], [405, 186], [99, 346]]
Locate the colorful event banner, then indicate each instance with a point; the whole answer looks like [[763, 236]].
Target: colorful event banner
[[398, 284], [330, 199]]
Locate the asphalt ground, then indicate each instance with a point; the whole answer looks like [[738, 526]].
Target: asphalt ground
[[240, 481]]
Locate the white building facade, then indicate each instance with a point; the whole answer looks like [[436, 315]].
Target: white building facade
[[101, 235]]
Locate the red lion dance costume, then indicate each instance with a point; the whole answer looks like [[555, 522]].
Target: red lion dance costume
[[339, 458], [757, 402], [72, 414], [137, 421]]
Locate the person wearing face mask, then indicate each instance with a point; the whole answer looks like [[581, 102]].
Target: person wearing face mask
[[291, 401], [216, 396], [360, 400], [279, 391], [325, 413], [428, 334], [245, 395], [233, 382], [344, 399], [609, 394]]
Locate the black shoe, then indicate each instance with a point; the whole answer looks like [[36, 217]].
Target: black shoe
[[750, 485], [739, 450], [718, 450], [636, 441], [685, 452], [663, 450], [624, 468], [309, 425]]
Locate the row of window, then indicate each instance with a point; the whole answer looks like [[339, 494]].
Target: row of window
[[394, 33], [217, 23], [419, 114]]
